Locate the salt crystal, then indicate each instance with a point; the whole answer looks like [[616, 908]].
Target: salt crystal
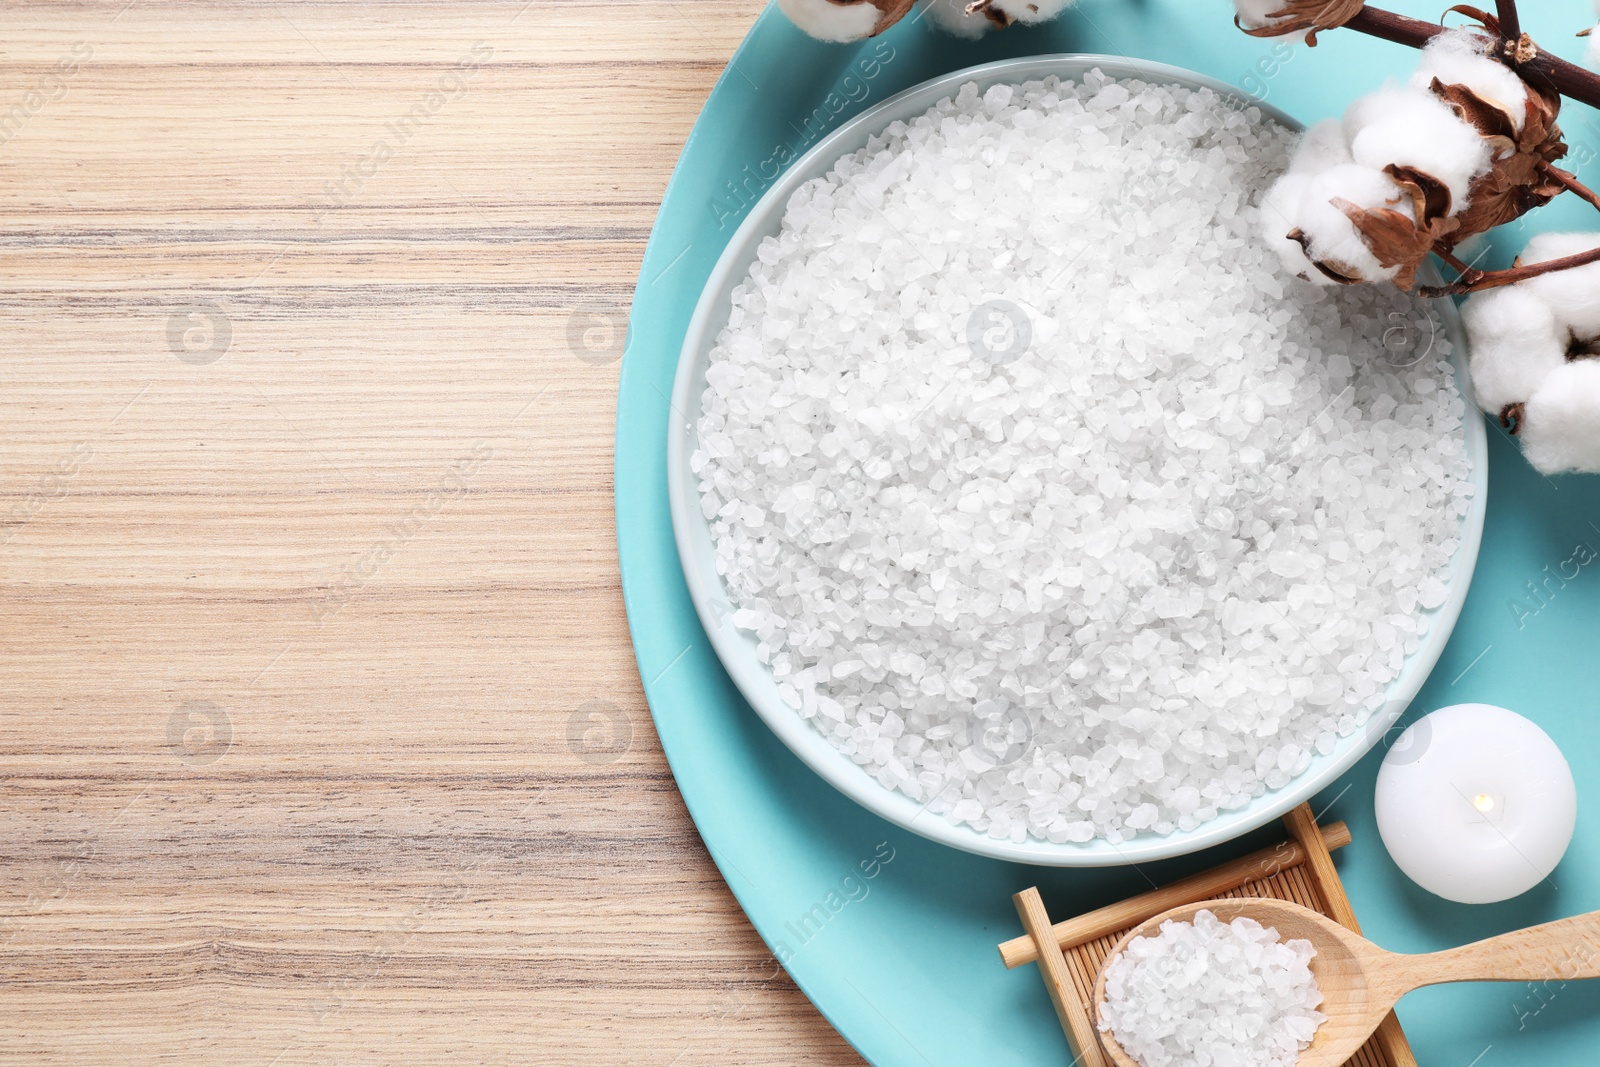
[[1209, 992]]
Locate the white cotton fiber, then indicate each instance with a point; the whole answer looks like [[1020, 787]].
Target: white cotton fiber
[[1516, 344], [1574, 295], [1560, 428], [951, 16], [1322, 147], [1413, 128], [1050, 498], [1032, 11], [1280, 214], [827, 21], [1457, 58], [1209, 992], [1334, 237], [1256, 14], [1520, 338]]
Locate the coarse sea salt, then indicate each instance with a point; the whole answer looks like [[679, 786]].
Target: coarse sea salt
[[1211, 993], [1053, 501]]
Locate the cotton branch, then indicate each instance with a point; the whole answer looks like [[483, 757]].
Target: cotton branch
[[1476, 281], [1516, 174], [1538, 67]]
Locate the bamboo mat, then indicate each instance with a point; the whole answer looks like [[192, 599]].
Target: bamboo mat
[[1070, 953]]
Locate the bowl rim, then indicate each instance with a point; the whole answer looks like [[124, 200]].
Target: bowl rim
[[735, 649]]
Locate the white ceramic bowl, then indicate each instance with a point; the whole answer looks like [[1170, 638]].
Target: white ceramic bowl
[[736, 648]]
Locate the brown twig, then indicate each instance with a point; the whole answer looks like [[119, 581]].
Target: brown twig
[[1453, 261], [1572, 184], [1475, 281], [1401, 29], [1510, 23]]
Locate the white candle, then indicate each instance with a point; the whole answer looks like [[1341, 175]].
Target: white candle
[[1476, 804]]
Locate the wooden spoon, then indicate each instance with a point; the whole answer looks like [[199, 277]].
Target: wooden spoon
[[1360, 982]]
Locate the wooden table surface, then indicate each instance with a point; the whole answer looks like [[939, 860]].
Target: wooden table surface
[[321, 733]]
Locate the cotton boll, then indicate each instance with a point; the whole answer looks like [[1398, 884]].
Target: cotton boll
[[1547, 246], [1413, 128], [1516, 344], [951, 16], [1458, 58], [1560, 426], [1574, 295], [1280, 212], [1256, 15], [1032, 11], [1335, 240], [1323, 147], [828, 21]]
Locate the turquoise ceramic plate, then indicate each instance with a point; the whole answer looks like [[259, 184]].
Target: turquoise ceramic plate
[[903, 961]]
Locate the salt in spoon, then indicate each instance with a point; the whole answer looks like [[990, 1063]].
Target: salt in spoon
[[1361, 982]]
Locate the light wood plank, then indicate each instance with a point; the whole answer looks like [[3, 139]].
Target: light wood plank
[[288, 744]]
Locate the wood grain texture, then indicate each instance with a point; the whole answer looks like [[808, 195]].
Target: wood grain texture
[[321, 735], [1065, 990]]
